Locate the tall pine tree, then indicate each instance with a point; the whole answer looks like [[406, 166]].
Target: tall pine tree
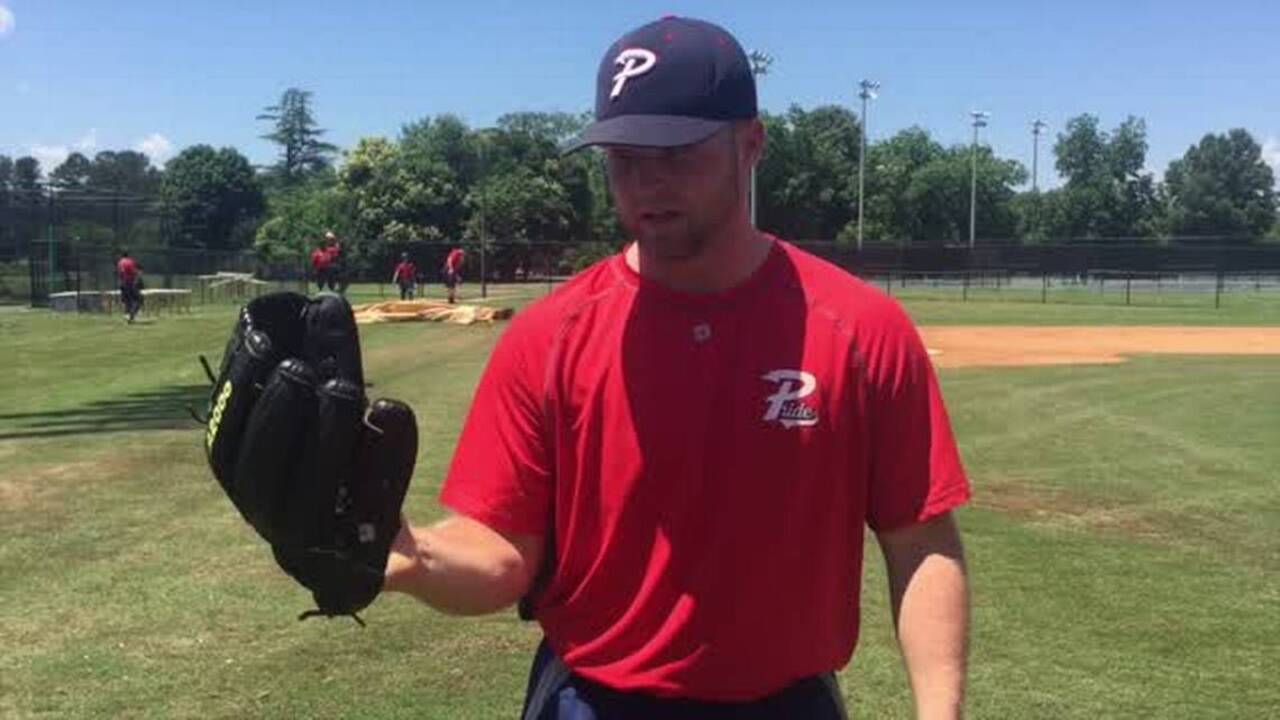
[[302, 153]]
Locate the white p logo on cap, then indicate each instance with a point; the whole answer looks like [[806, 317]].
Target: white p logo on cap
[[634, 62]]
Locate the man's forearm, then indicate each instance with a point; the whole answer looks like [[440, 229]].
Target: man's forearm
[[930, 599], [460, 567], [933, 628]]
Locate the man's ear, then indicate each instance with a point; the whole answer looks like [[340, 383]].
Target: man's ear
[[751, 139]]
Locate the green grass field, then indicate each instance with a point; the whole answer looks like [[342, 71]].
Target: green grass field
[[1124, 541]]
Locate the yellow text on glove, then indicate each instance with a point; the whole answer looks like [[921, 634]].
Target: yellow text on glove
[[215, 418]]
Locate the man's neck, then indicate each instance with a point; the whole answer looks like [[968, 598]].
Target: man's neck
[[728, 261]]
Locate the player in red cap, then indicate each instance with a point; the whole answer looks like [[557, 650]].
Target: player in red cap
[[674, 456]]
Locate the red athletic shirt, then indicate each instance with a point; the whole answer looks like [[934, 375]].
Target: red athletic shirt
[[454, 260], [320, 259], [707, 464], [405, 272], [334, 251], [127, 269]]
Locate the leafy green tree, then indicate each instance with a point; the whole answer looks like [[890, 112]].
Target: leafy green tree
[[215, 196], [441, 153], [26, 174], [1223, 188], [124, 172], [298, 219], [73, 173], [395, 196], [522, 204], [807, 178], [1106, 193], [891, 165], [1039, 214], [938, 196]]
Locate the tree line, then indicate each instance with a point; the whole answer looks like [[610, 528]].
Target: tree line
[[440, 179]]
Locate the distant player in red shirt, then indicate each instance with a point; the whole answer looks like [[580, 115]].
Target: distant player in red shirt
[[130, 277], [674, 456], [321, 263], [453, 272], [337, 269], [405, 276]]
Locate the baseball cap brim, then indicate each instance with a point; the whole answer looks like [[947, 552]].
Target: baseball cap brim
[[646, 131]]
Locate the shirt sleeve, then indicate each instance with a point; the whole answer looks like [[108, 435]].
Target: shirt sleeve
[[915, 467], [501, 474]]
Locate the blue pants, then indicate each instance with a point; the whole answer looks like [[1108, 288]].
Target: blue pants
[[555, 693]]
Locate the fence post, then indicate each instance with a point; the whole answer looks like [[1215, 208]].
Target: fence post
[[484, 270], [1044, 289], [1217, 292], [888, 283], [964, 293], [1128, 286]]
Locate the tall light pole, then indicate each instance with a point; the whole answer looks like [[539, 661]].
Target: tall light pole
[[484, 204], [760, 63], [867, 91], [979, 121], [1037, 127]]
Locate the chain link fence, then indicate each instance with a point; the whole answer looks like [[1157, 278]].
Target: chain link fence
[[67, 247]]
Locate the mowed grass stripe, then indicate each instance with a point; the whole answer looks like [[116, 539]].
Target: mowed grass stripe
[[1174, 448]]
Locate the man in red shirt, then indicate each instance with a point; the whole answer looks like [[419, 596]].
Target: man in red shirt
[[453, 272], [673, 457], [130, 276], [405, 276], [336, 270], [321, 262]]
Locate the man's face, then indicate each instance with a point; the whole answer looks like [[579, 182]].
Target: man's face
[[673, 200]]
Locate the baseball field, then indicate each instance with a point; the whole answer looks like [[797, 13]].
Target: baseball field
[[1124, 540]]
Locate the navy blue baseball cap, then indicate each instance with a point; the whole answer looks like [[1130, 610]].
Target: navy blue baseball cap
[[672, 82]]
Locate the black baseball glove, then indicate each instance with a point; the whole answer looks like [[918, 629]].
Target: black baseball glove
[[317, 471]]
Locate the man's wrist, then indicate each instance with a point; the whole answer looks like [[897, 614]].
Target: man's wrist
[[940, 708]]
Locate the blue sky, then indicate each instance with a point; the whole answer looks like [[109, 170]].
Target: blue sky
[[76, 74]]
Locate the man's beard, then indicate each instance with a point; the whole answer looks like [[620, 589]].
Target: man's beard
[[688, 236], [680, 239]]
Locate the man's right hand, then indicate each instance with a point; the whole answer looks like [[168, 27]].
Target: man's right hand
[[404, 562]]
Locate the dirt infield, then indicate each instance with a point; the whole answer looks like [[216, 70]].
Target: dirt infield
[[992, 346]]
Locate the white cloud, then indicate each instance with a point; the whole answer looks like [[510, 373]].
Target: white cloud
[[51, 156], [155, 146], [1271, 153], [7, 22], [88, 142]]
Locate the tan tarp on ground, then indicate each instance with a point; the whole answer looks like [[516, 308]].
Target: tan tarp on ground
[[433, 310]]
